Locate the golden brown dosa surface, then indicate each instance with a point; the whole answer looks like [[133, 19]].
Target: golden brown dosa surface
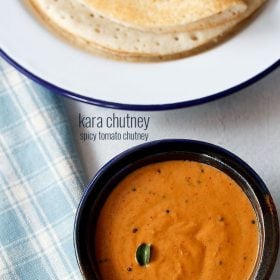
[[77, 24], [168, 15]]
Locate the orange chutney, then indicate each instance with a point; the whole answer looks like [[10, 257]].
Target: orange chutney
[[199, 221]]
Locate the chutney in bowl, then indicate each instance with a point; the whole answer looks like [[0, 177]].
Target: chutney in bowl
[[198, 210]]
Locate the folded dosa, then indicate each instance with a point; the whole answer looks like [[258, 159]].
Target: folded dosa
[[76, 23], [168, 15]]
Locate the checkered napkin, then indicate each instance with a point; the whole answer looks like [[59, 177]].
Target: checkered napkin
[[40, 182]]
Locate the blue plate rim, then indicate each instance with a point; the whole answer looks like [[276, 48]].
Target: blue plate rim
[[137, 107]]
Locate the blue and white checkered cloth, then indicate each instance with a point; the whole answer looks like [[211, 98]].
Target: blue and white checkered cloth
[[40, 182]]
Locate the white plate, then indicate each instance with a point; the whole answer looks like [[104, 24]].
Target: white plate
[[249, 55]]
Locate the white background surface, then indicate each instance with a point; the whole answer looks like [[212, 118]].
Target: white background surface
[[246, 123]]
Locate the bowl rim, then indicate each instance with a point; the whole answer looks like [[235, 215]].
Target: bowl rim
[[273, 252]]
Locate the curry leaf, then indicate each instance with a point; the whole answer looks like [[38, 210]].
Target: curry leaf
[[143, 254]]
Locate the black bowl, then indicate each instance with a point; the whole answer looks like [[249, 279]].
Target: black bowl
[[115, 170]]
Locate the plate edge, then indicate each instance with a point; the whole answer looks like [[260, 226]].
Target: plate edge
[[138, 107]]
